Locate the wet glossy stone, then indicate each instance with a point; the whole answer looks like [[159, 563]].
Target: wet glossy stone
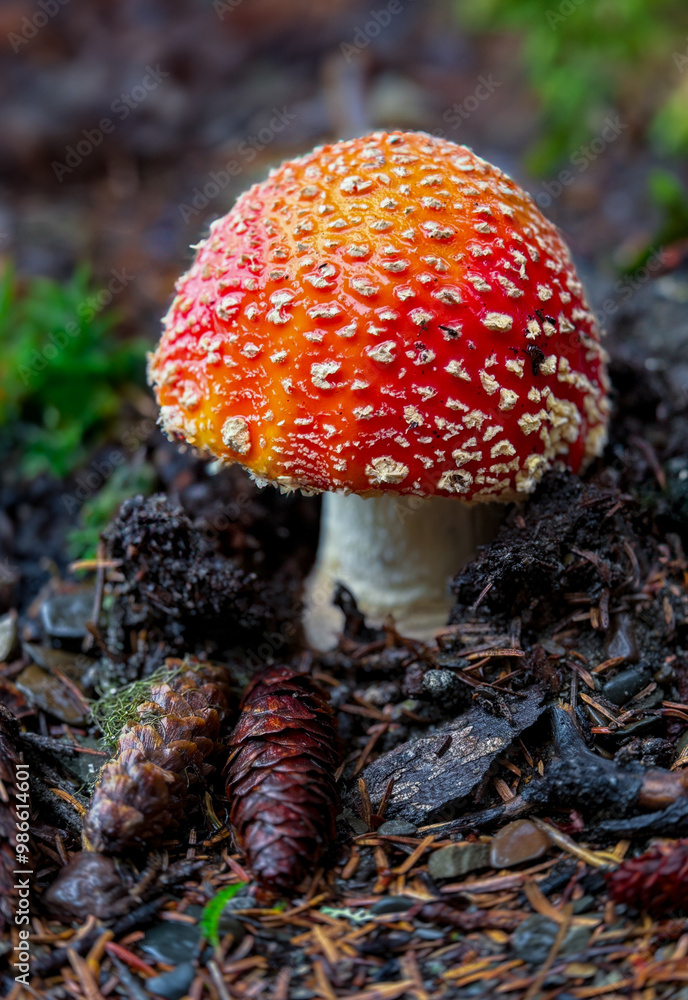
[[89, 884], [518, 842], [391, 904], [642, 727], [622, 641], [625, 685], [49, 693], [174, 984], [229, 924], [64, 616], [398, 828], [172, 942]]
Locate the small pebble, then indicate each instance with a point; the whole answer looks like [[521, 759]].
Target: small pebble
[[652, 724], [518, 842], [8, 634], [623, 641], [64, 616], [230, 925], [89, 884], [443, 686], [50, 694], [391, 904], [357, 824], [458, 859], [398, 828], [625, 685], [172, 942], [533, 939], [173, 984]]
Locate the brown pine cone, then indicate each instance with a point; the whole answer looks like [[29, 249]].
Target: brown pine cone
[[161, 767], [280, 777], [656, 882], [14, 855]]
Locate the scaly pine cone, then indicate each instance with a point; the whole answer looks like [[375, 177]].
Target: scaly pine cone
[[280, 777], [160, 769], [656, 882]]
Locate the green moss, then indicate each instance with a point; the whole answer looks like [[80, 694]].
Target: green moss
[[118, 709], [97, 511], [63, 370], [587, 59]]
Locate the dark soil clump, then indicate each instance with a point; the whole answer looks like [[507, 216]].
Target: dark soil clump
[[188, 596]]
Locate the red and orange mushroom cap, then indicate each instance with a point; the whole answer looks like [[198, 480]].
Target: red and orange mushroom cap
[[391, 313]]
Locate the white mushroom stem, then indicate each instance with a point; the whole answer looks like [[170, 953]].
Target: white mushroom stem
[[396, 555]]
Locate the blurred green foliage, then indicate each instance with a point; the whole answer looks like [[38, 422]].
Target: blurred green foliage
[[62, 370], [671, 198], [587, 58], [99, 509]]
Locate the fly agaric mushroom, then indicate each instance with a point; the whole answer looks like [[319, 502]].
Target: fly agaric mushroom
[[392, 322]]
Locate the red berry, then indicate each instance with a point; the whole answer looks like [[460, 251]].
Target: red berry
[[656, 881]]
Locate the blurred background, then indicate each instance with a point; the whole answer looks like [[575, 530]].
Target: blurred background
[[118, 122]]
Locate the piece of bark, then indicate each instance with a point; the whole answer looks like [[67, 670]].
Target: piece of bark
[[434, 774]]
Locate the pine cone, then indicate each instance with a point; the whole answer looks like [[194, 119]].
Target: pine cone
[[161, 768], [280, 777], [656, 882], [10, 859]]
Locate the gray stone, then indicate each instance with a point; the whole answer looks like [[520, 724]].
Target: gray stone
[[172, 942], [391, 904], [443, 687], [230, 925], [173, 984], [64, 616], [398, 828], [459, 859], [533, 939]]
